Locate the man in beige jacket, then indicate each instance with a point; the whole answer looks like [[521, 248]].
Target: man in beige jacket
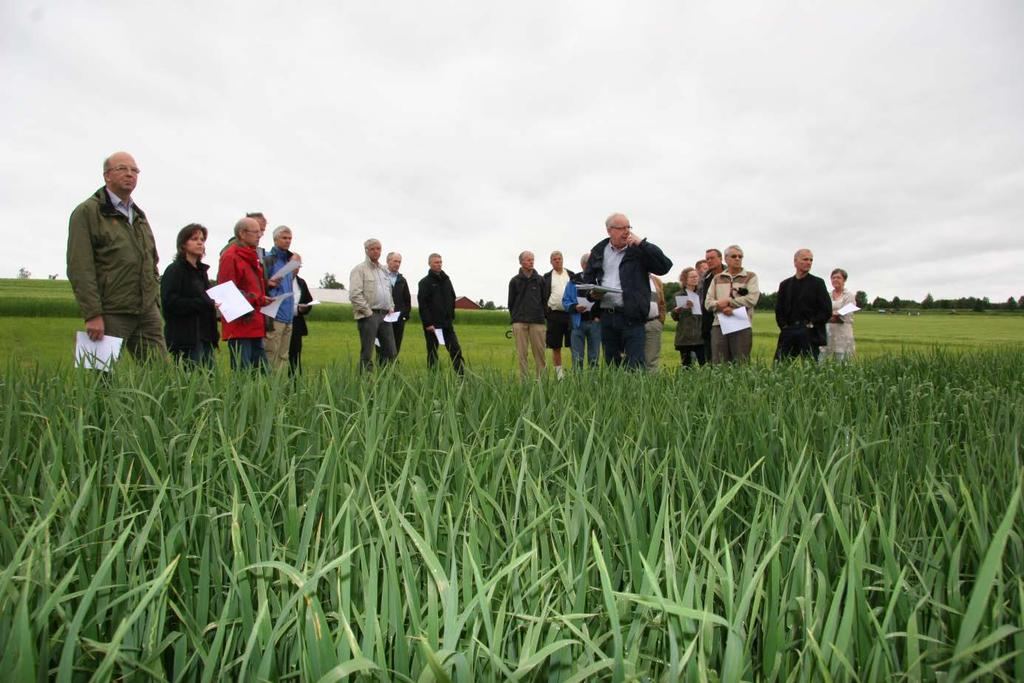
[[370, 293]]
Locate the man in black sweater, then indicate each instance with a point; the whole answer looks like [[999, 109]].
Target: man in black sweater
[[527, 295], [802, 309], [436, 299]]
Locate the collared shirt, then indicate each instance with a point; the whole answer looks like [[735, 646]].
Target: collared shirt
[[384, 287], [612, 260], [393, 277], [127, 208], [558, 283]]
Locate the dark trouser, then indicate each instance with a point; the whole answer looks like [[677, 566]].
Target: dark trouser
[[143, 334], [247, 354], [374, 328], [451, 341], [622, 338], [706, 338], [398, 331], [697, 350], [200, 354], [795, 341], [295, 354], [735, 347]]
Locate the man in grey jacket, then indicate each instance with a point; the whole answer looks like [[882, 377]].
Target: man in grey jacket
[[370, 293]]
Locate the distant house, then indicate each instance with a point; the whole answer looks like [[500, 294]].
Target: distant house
[[467, 304]]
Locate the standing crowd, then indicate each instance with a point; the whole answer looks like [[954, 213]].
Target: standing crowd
[[615, 302]]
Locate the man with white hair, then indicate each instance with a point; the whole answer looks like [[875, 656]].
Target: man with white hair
[[802, 310], [624, 262], [370, 293], [279, 328], [112, 263]]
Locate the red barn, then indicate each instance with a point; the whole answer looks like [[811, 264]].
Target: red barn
[[467, 304]]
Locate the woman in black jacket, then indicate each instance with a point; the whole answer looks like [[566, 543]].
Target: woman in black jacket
[[190, 316]]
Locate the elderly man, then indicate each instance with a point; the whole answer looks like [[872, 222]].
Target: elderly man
[[112, 263], [240, 264], [527, 298], [730, 290], [713, 263], [802, 309], [586, 325], [370, 293], [624, 262], [436, 299], [559, 324], [402, 297], [279, 329]]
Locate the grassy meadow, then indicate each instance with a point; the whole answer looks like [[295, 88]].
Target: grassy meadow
[[846, 522]]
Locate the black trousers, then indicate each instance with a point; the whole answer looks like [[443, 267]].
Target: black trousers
[[795, 341], [451, 342]]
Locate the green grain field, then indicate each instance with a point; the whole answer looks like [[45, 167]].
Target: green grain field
[[803, 522]]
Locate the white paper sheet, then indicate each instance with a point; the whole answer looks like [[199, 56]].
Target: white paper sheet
[[232, 303], [314, 302], [439, 333], [652, 311], [695, 298], [275, 303], [96, 355], [847, 309], [288, 267], [739, 320], [583, 301], [392, 317]]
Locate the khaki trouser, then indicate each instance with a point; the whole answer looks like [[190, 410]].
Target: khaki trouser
[[652, 344], [733, 347], [277, 343], [529, 335], [143, 334]]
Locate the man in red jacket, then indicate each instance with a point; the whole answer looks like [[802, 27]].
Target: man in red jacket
[[240, 264]]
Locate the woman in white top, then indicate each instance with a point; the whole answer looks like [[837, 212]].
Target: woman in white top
[[840, 327]]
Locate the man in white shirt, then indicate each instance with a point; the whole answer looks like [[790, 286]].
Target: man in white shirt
[[559, 322]]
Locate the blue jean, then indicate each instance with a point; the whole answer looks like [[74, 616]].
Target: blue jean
[[247, 353], [588, 335], [622, 337]]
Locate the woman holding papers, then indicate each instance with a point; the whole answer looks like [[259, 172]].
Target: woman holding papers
[[840, 327], [190, 316], [732, 295], [687, 314]]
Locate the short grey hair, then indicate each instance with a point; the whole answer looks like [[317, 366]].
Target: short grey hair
[[241, 225], [796, 254], [556, 253], [432, 257], [392, 253], [734, 247], [608, 221], [523, 254], [370, 242], [280, 230], [585, 259]]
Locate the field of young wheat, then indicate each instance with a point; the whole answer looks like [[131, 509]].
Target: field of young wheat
[[801, 523]]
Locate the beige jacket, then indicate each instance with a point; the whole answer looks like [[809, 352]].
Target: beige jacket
[[728, 286], [364, 290]]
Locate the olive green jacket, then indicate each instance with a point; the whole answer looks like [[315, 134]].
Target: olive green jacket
[[111, 263]]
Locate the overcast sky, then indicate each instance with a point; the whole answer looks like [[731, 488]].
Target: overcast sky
[[887, 136]]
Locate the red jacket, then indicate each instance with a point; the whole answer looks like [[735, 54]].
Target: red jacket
[[241, 265]]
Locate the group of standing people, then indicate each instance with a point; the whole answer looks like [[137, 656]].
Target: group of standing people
[[616, 301]]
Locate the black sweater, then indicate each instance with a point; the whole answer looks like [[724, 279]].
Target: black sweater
[[190, 316]]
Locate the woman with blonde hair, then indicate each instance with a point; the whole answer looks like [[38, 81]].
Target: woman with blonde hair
[[688, 321]]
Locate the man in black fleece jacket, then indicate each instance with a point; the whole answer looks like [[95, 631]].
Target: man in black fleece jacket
[[436, 299]]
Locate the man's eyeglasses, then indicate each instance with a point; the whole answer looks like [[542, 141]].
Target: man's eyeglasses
[[734, 256], [124, 169], [619, 227]]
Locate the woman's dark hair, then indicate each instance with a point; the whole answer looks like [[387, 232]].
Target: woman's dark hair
[[185, 234]]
